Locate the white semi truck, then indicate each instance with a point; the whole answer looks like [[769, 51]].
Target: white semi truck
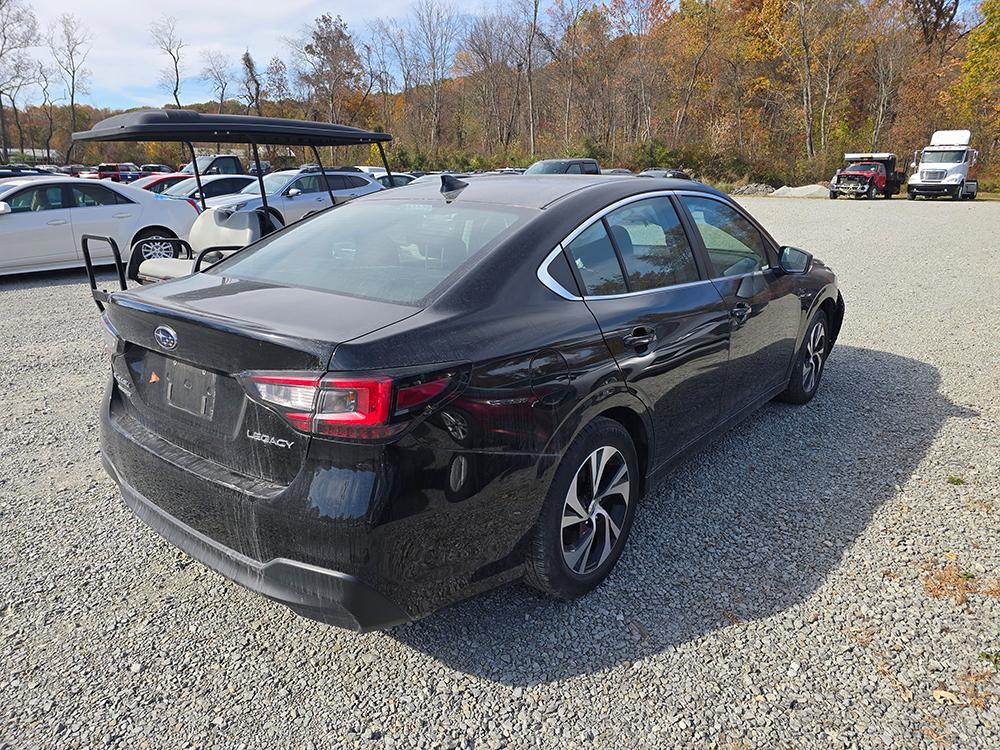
[[945, 167]]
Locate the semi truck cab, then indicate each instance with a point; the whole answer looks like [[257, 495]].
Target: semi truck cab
[[945, 167]]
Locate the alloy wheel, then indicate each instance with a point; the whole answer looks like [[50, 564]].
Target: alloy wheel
[[594, 510], [812, 367], [154, 247]]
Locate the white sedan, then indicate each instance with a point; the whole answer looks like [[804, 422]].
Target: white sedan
[[43, 219]]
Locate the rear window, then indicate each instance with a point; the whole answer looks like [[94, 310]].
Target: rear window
[[384, 250]]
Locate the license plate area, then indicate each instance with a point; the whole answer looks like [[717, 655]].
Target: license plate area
[[190, 389]]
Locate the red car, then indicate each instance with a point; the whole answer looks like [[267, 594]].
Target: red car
[[124, 172], [157, 183]]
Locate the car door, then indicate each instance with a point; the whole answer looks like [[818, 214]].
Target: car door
[[766, 312], [102, 211], [664, 321], [312, 196], [37, 232]]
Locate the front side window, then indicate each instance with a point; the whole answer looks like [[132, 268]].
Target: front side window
[[596, 261], [385, 250], [272, 184], [183, 189], [43, 198], [734, 245], [89, 196], [574, 169], [227, 166], [652, 244]]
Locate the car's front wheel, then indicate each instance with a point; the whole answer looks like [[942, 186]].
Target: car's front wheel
[[587, 513], [809, 362]]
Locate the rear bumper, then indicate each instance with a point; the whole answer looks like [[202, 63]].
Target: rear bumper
[[326, 595]]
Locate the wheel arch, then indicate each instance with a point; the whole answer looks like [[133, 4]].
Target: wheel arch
[[617, 402], [149, 228]]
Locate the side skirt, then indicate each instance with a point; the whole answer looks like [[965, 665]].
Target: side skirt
[[657, 475]]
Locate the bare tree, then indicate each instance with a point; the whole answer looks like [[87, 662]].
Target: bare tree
[[169, 42], [252, 83], [530, 73], [69, 43], [435, 31], [218, 72], [48, 107], [18, 33]]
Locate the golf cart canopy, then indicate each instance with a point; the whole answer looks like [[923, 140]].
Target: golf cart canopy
[[187, 126]]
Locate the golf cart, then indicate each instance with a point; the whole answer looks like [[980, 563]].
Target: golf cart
[[217, 232]]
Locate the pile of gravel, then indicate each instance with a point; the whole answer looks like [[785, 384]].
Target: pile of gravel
[[803, 191], [796, 584], [754, 188]]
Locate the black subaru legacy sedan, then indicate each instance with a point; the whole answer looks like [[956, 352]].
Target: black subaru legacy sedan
[[431, 391]]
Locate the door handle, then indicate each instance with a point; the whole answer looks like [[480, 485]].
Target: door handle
[[56, 222], [640, 338], [741, 312], [120, 216]]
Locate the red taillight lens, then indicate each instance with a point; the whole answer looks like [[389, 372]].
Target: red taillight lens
[[195, 205], [335, 406]]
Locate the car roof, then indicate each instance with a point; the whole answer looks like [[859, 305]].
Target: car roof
[[539, 191]]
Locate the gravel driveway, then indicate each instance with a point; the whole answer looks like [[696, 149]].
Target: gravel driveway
[[824, 576]]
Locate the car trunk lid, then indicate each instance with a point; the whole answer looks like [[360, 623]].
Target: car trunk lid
[[187, 340]]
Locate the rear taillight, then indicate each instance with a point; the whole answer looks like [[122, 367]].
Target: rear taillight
[[346, 406], [113, 343], [194, 204]]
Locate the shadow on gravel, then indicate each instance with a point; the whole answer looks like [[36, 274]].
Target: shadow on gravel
[[104, 274], [743, 530]]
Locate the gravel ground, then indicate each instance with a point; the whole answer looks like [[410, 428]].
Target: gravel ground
[[776, 591]]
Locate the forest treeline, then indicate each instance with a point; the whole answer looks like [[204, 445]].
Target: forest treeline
[[757, 90]]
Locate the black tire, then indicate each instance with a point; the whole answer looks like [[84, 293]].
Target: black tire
[[871, 192], [887, 193], [144, 252], [957, 195], [833, 195], [911, 196], [554, 544], [811, 357]]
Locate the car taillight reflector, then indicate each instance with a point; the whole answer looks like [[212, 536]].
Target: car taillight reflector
[[335, 406]]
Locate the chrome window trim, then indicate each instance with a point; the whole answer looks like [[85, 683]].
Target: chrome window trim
[[546, 278]]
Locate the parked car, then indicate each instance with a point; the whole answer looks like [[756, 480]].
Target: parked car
[[398, 179], [157, 183], [156, 169], [123, 172], [675, 174], [43, 219], [265, 168], [49, 168], [293, 194], [213, 186], [564, 166], [417, 397], [74, 170], [13, 170], [216, 164], [617, 171], [868, 176]]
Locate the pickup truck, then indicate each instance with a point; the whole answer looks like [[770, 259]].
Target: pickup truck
[[868, 176], [124, 172]]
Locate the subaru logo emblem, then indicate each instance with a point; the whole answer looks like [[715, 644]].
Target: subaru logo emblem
[[166, 337]]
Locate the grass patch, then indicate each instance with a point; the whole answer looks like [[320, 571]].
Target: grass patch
[[993, 657], [955, 480], [954, 583]]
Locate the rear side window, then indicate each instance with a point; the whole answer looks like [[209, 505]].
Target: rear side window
[[89, 196], [384, 250], [596, 261], [355, 182], [652, 244]]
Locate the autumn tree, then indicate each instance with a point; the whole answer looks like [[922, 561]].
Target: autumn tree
[[168, 40]]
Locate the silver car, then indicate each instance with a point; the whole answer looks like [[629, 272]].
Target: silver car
[[294, 194]]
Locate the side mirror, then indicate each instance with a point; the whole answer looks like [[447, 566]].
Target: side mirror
[[293, 192], [794, 260], [4, 208]]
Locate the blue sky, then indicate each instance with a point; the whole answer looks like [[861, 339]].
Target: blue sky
[[125, 67]]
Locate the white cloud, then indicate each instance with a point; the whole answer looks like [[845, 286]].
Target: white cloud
[[125, 67]]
